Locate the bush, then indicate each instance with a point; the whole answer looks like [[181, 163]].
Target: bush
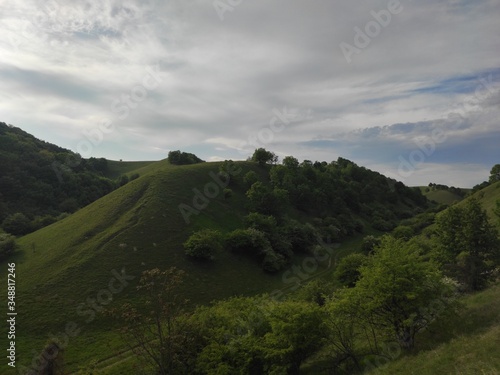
[[249, 241], [183, 158], [273, 262], [123, 180], [264, 223], [7, 246], [203, 244], [301, 236], [347, 271], [403, 232], [250, 178], [17, 224], [369, 244], [228, 193]]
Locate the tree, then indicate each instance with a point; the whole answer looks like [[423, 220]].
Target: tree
[[204, 244], [250, 178], [396, 288], [7, 246], [348, 269], [263, 157], [495, 174], [297, 332], [404, 232], [469, 245], [158, 332], [247, 241], [181, 158], [369, 243], [265, 200], [17, 224]]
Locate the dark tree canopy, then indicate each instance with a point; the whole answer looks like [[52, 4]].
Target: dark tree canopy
[[263, 157], [182, 158], [470, 248]]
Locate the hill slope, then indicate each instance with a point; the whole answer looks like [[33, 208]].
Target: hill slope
[[68, 271]]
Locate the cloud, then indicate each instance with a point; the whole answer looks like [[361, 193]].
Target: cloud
[[63, 64]]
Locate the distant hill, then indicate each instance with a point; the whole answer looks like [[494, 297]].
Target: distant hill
[[443, 194], [39, 181]]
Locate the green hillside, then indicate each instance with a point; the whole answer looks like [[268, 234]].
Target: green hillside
[[488, 198], [68, 271], [117, 168], [468, 345], [443, 195]]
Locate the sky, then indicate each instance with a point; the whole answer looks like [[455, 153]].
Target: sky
[[407, 88]]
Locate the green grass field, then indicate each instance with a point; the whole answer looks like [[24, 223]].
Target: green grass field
[[441, 196], [118, 168]]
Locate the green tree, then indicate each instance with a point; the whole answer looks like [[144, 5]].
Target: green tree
[[396, 287], [204, 244], [469, 244], [17, 224], [348, 269], [369, 244], [495, 174], [263, 157], [250, 178], [159, 332], [51, 359], [265, 200], [403, 232], [297, 332], [7, 246]]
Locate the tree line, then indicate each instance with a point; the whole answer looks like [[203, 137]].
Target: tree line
[[370, 310]]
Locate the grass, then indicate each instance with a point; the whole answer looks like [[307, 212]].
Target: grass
[[468, 347], [441, 196], [63, 267], [118, 168]]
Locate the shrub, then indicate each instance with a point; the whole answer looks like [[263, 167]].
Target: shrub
[[203, 244], [228, 193], [7, 246], [403, 232], [249, 241], [347, 271], [273, 262], [250, 178], [182, 158], [17, 224], [369, 244]]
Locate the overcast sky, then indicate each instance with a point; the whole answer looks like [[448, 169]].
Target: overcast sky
[[410, 88]]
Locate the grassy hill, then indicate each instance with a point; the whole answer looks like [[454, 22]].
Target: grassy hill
[[468, 344], [135, 228], [488, 198], [67, 272], [119, 168], [441, 196]]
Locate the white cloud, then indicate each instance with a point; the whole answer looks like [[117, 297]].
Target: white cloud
[[64, 63]]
